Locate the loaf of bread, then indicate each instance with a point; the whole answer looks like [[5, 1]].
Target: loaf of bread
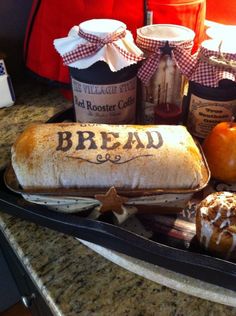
[[76, 155]]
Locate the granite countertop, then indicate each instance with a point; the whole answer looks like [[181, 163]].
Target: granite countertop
[[72, 278]]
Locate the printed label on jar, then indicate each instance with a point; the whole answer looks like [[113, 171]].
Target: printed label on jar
[[111, 104], [205, 114]]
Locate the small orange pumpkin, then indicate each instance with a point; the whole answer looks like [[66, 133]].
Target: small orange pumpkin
[[220, 151]]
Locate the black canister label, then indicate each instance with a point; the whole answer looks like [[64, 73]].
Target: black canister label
[[111, 103], [205, 114]]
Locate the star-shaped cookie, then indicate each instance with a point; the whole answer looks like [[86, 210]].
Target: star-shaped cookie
[[111, 201]]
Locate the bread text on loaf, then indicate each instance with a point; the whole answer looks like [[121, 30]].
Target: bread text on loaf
[[66, 155]]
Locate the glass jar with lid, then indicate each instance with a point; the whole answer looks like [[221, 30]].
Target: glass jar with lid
[[167, 49], [211, 96], [103, 61]]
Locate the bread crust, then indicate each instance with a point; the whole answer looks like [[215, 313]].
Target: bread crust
[[68, 155]]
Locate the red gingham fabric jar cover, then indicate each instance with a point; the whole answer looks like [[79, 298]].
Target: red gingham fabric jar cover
[[208, 73], [180, 53], [95, 40], [94, 43]]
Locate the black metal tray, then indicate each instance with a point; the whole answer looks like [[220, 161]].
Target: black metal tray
[[191, 263], [166, 247]]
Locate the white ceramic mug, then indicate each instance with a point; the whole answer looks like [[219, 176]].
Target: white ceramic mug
[[7, 96]]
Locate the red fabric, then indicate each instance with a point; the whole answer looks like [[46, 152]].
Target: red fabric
[[221, 11], [181, 12], [54, 18], [51, 19]]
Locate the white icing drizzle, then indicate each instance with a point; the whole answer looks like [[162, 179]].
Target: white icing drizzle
[[225, 223], [204, 210], [219, 237], [228, 212], [207, 231], [232, 246], [218, 215]]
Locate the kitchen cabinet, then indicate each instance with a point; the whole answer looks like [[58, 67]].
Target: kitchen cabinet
[[30, 295], [9, 294]]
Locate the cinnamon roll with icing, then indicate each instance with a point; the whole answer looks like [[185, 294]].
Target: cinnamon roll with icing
[[216, 224]]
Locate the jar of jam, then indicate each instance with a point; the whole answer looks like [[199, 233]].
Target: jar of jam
[[103, 61], [211, 96]]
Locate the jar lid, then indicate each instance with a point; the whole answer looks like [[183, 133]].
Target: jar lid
[[96, 40], [215, 61], [222, 46], [166, 32], [221, 32], [164, 39], [101, 27]]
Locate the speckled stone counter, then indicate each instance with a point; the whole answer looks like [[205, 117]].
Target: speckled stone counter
[[73, 279]]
